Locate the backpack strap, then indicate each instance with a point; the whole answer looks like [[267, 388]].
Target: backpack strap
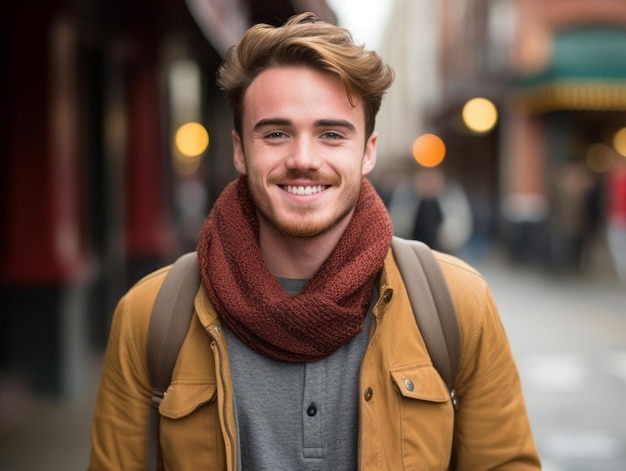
[[432, 306], [169, 323]]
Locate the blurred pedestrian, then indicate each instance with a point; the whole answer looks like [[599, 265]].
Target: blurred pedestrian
[[302, 335], [432, 208], [574, 222], [616, 215]]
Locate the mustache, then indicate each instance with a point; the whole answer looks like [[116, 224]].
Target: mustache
[[311, 175]]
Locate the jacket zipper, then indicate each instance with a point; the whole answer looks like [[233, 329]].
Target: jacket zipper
[[227, 425]]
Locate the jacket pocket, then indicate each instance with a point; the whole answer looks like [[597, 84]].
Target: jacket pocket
[[182, 399], [426, 417], [190, 431]]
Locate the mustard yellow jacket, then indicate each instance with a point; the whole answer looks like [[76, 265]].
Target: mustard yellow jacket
[[399, 429]]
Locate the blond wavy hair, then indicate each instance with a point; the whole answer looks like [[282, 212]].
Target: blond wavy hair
[[305, 40]]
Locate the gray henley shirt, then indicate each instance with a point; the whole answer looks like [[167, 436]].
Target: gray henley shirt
[[297, 416]]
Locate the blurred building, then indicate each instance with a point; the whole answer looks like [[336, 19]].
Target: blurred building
[[94, 191], [409, 45], [556, 72]]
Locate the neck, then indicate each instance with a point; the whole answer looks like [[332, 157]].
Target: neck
[[294, 257]]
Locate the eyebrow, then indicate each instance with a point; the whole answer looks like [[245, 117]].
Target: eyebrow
[[326, 123], [335, 123], [271, 122]]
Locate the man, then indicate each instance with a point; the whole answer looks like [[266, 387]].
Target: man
[[302, 330]]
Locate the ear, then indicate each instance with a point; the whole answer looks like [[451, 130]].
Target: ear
[[369, 158], [239, 158]]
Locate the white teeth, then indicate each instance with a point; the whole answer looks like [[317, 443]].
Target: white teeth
[[304, 190]]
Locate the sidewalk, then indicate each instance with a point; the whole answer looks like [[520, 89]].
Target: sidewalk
[[46, 434], [568, 335]]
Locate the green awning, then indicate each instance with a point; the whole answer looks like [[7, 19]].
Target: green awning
[[588, 72]]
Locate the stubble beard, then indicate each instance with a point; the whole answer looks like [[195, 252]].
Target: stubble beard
[[299, 227]]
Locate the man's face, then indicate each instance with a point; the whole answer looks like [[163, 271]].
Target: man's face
[[304, 150]]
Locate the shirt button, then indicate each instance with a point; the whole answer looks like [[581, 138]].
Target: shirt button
[[311, 410], [368, 393], [387, 296]]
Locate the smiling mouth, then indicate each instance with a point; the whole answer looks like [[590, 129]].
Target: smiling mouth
[[304, 190]]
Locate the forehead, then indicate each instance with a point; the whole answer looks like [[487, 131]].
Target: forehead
[[299, 92]]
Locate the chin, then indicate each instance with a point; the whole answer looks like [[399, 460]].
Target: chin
[[302, 232], [311, 230]]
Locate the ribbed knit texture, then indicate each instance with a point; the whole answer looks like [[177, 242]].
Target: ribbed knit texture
[[331, 307]]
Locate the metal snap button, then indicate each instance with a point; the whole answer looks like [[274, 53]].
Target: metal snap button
[[408, 384]]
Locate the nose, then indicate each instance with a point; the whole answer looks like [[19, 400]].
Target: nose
[[304, 155]]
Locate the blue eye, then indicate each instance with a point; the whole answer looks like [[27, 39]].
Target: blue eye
[[275, 135]]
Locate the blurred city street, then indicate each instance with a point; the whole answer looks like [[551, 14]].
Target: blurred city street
[[505, 127], [569, 338], [568, 335]]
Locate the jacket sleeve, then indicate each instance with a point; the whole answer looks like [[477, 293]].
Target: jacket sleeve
[[120, 422], [492, 429]]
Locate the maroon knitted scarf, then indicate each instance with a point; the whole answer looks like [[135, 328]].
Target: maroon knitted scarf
[[332, 305]]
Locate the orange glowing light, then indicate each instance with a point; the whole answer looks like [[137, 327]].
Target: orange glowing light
[[619, 141], [429, 150], [192, 139]]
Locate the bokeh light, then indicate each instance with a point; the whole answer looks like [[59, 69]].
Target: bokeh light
[[480, 115], [599, 157], [192, 139], [429, 150], [619, 141]]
